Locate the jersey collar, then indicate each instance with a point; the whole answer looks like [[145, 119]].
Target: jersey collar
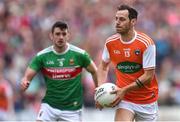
[[62, 52], [132, 40]]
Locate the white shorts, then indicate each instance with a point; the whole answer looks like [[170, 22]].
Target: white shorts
[[142, 112], [48, 113]]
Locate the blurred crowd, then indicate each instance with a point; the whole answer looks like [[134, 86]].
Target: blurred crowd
[[25, 27]]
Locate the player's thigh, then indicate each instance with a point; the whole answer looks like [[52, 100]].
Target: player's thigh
[[46, 113], [123, 114], [147, 112], [72, 116], [39, 121], [144, 117]]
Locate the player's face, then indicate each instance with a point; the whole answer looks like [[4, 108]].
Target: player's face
[[123, 23], [60, 37]]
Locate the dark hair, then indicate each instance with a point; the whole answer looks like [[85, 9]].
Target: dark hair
[[132, 12], [60, 24]]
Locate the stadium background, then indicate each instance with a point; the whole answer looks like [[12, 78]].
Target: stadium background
[[24, 28]]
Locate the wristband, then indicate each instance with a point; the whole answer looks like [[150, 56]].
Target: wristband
[[139, 83]]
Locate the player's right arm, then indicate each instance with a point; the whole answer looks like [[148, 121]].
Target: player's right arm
[[32, 69], [102, 71], [102, 76], [28, 76], [103, 67]]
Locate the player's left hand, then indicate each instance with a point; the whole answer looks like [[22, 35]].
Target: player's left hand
[[100, 107], [97, 105], [120, 92]]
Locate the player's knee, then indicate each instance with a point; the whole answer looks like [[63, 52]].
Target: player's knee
[[39, 121]]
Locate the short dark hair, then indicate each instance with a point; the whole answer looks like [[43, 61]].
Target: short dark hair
[[60, 24], [132, 12]]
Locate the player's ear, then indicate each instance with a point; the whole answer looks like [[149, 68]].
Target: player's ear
[[133, 21], [50, 36], [68, 35]]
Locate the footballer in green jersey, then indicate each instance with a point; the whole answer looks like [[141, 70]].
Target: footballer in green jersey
[[61, 65], [62, 74]]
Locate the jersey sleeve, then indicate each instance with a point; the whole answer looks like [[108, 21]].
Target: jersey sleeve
[[105, 54], [149, 57], [86, 60], [35, 63]]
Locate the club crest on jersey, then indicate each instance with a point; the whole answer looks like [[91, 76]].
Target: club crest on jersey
[[71, 61], [137, 52], [127, 52]]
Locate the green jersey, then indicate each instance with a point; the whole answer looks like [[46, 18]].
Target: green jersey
[[62, 74]]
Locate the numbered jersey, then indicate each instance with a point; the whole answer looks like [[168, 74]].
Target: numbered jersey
[[131, 59], [62, 74]]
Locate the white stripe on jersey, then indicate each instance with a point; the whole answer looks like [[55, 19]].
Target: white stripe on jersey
[[113, 36], [141, 40], [46, 50], [147, 37], [113, 39], [76, 49]]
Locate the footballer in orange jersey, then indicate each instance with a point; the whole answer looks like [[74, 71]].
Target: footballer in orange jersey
[[133, 54]]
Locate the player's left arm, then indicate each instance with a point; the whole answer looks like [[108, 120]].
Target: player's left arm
[[93, 70], [149, 63], [90, 66], [140, 82]]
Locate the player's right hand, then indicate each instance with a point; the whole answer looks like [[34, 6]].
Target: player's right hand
[[24, 85]]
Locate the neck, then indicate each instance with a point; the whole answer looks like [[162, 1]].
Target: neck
[[126, 37], [60, 49]]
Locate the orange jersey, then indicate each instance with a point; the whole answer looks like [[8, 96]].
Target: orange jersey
[[131, 59], [3, 97]]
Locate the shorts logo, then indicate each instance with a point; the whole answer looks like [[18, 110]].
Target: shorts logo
[[75, 103], [40, 114]]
